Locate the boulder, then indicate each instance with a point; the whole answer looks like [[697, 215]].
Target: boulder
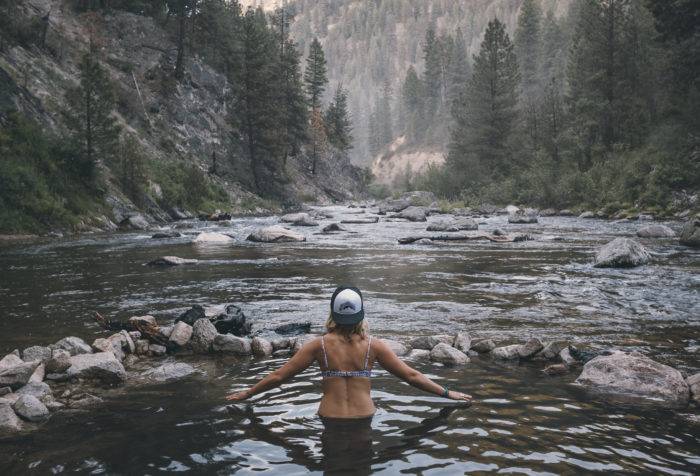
[[587, 214], [59, 361], [9, 422], [134, 222], [393, 206], [102, 366], [181, 334], [566, 213], [397, 347], [232, 321], [171, 261], [275, 234], [690, 234], [299, 219], [332, 228], [261, 347], [157, 350], [281, 344], [18, 375], [508, 352], [161, 235], [38, 374], [168, 372], [419, 197], [552, 350], [621, 253], [5, 390], [203, 335], [40, 390], [694, 384], [636, 377], [74, 345], [452, 225], [218, 215], [227, 343], [126, 340], [413, 214], [30, 408], [511, 209], [655, 231], [148, 320], [428, 342], [192, 315], [418, 354], [530, 348], [142, 346], [10, 360], [548, 212], [567, 358], [447, 354], [106, 345], [523, 216], [36, 352], [360, 221], [214, 238], [293, 329], [483, 346], [462, 342]]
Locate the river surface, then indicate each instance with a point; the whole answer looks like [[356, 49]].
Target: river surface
[[522, 421]]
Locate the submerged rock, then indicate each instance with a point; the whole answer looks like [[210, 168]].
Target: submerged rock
[[275, 234], [170, 371], [161, 235], [523, 216], [227, 343], [333, 227], [293, 329], [192, 315], [203, 335], [102, 366], [690, 234], [397, 347], [74, 345], [636, 377], [447, 354], [213, 238], [621, 253], [655, 231], [171, 261], [483, 346], [30, 408], [261, 347], [299, 219]]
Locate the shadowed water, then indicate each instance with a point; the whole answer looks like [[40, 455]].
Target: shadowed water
[[522, 421]]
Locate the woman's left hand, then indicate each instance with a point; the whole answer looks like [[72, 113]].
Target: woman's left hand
[[239, 396]]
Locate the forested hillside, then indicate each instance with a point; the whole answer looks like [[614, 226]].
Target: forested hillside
[[111, 109]]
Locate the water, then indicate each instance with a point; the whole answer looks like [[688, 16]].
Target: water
[[521, 422]]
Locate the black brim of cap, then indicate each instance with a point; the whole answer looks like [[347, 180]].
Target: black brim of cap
[[348, 319]]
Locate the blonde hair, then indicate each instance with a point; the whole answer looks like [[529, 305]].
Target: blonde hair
[[361, 328]]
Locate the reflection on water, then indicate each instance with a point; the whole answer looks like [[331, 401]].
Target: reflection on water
[[522, 421]]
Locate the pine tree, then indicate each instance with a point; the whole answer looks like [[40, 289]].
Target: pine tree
[[528, 45], [131, 173], [412, 97], [319, 139], [433, 72], [338, 120], [315, 75], [459, 68], [185, 11], [384, 116], [91, 120], [486, 115]]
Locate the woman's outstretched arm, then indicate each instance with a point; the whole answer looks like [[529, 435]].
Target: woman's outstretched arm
[[392, 364], [297, 364]]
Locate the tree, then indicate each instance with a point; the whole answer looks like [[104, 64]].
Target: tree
[[486, 114], [131, 172], [458, 73], [184, 9], [319, 139], [433, 72], [528, 44], [91, 119], [315, 75], [338, 122], [412, 97], [385, 127]]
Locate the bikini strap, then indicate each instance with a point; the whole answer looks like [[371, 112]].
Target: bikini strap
[[369, 346], [325, 357]]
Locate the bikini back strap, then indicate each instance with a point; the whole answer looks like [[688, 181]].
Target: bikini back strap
[[369, 346], [325, 357]]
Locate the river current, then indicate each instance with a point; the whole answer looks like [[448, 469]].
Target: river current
[[521, 422]]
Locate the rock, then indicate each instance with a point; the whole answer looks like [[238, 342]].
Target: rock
[[655, 231], [393, 206], [39, 390], [203, 335], [293, 329], [299, 219], [690, 234], [102, 366], [169, 372], [232, 321], [181, 334], [135, 335], [106, 345], [192, 315], [261, 347], [165, 331], [483, 346], [214, 238], [130, 360], [38, 374], [18, 375], [552, 350], [127, 341], [451, 225], [280, 344], [85, 400], [171, 261], [5, 390], [498, 232], [30, 408], [161, 235], [418, 354], [508, 352], [148, 320], [523, 216], [74, 345], [621, 253], [419, 197], [587, 214], [447, 354], [59, 362], [530, 348], [548, 212], [397, 347], [157, 350], [53, 405], [9, 422], [637, 377], [694, 385], [363, 221], [428, 342], [275, 234], [332, 227], [218, 216], [413, 214], [556, 369], [10, 360], [36, 352], [300, 342], [567, 358], [645, 217], [228, 343], [142, 346], [462, 342], [134, 222], [511, 209]]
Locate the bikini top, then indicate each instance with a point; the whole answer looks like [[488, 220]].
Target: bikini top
[[365, 372]]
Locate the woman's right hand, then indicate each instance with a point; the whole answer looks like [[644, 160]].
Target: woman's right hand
[[462, 397]]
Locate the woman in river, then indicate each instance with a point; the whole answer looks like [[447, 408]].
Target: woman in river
[[346, 355]]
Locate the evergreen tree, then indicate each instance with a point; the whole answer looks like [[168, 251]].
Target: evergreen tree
[[433, 72], [91, 120], [459, 68], [131, 172], [185, 11], [315, 75], [486, 114], [384, 116], [412, 97], [319, 139], [527, 44], [338, 120]]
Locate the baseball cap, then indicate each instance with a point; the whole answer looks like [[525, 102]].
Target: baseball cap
[[346, 305]]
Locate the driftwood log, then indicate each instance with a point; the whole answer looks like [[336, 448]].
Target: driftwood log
[[364, 221], [148, 331], [466, 237]]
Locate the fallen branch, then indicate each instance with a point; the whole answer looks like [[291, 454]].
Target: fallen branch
[[466, 237], [367, 221]]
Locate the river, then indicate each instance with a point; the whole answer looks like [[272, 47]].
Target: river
[[521, 422]]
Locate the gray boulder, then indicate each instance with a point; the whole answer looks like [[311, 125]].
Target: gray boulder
[[419, 197], [212, 238], [552, 350], [530, 348], [157, 350], [10, 360], [636, 378], [690, 234], [655, 231], [181, 334], [74, 345], [102, 366], [621, 253], [462, 342], [428, 342], [162, 235], [171, 261], [413, 214], [30, 408], [39, 390], [453, 225], [134, 222], [483, 346], [447, 354], [38, 374], [333, 227], [393, 206], [299, 219], [9, 422], [275, 234], [203, 335], [59, 361], [694, 384], [36, 352], [587, 214], [567, 358], [418, 354], [508, 352], [230, 344], [523, 216], [261, 347], [146, 320], [106, 345], [168, 372], [397, 347], [18, 375]]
